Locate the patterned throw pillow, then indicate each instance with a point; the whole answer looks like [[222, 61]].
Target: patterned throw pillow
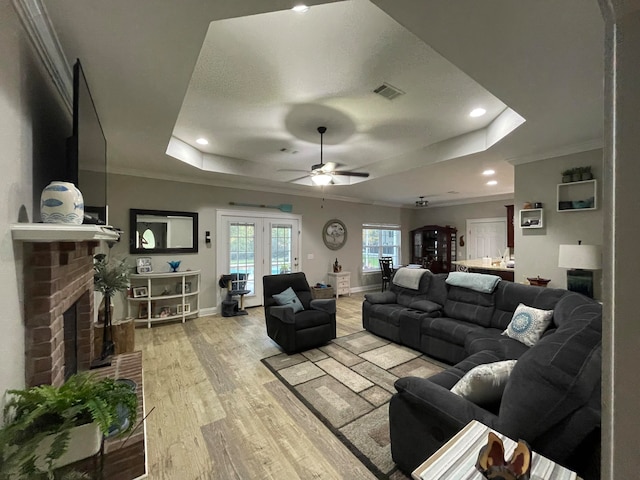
[[484, 384], [528, 324], [289, 298]]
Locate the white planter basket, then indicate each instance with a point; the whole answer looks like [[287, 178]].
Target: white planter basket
[[84, 441]]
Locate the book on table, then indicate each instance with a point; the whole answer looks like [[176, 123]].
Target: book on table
[[456, 459]]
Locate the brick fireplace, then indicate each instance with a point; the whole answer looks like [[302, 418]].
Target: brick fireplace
[[58, 279], [58, 275]]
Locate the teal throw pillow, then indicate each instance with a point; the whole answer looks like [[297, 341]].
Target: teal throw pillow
[[528, 324], [290, 299]]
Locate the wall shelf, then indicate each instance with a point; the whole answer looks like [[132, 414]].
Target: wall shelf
[[577, 196], [531, 218]]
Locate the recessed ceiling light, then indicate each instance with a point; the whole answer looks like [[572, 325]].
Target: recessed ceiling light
[[202, 141], [477, 112], [488, 172], [300, 8], [492, 182]]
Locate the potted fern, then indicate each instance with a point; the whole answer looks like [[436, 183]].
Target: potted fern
[[109, 278], [47, 427]]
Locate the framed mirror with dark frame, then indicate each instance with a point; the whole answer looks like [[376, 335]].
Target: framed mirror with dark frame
[[162, 231]]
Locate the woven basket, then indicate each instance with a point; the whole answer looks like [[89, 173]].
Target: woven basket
[[327, 292]]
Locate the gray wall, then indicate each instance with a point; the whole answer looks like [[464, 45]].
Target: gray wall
[[127, 192], [34, 127], [457, 216], [537, 249]]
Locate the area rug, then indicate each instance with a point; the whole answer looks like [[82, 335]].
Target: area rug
[[347, 384]]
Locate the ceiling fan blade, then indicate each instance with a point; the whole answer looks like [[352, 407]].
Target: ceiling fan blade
[[324, 167], [352, 174]]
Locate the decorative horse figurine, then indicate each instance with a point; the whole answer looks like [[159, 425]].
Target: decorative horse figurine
[[493, 466]]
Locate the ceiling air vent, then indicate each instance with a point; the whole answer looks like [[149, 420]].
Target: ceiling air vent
[[388, 91]]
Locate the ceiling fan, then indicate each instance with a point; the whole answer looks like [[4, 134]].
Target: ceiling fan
[[323, 173]]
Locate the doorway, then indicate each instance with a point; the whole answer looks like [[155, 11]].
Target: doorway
[[486, 237], [257, 244]]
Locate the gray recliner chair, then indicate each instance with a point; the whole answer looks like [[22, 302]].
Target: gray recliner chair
[[295, 332]]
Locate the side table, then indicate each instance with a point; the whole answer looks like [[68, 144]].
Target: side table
[[457, 458], [341, 282]]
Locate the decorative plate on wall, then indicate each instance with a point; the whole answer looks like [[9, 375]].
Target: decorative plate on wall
[[334, 234]]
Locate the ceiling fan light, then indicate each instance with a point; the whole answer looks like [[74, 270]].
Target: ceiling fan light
[[321, 179]]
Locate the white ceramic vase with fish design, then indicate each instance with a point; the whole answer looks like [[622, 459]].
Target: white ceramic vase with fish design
[[61, 202]]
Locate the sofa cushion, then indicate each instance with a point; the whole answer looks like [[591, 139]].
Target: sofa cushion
[[426, 306], [478, 282], [438, 290], [493, 340], [449, 377], [485, 384], [573, 304], [448, 329], [468, 305], [290, 299], [509, 295], [380, 297], [528, 324], [554, 379]]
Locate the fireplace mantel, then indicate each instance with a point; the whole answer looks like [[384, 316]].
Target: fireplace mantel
[[60, 232]]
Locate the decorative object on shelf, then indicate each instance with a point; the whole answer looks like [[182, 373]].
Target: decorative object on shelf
[[187, 287], [337, 267], [174, 264], [578, 174], [51, 423], [334, 234], [109, 279], [537, 281], [143, 265], [462, 240], [492, 464], [283, 207], [61, 202], [537, 205], [581, 261], [527, 205]]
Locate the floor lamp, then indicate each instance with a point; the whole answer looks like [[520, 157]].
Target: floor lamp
[[581, 261]]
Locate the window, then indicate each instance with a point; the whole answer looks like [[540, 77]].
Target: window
[[379, 241]]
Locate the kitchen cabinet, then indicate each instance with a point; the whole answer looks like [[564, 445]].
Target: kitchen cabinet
[[510, 227], [434, 247]]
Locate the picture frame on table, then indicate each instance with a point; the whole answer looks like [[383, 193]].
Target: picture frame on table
[[187, 287], [140, 292], [143, 310], [143, 265]]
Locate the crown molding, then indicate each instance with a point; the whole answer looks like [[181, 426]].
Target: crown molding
[[557, 152], [37, 24]]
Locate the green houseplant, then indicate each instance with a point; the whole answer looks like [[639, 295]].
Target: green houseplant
[[39, 421], [566, 175], [109, 278]]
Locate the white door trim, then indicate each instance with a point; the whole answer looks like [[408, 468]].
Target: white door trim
[[261, 214], [472, 221]]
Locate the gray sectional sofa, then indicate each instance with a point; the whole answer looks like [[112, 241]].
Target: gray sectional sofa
[[552, 396]]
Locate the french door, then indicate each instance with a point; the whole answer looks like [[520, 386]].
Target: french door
[[257, 245]]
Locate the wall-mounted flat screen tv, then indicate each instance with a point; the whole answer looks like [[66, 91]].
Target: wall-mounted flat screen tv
[[87, 151]]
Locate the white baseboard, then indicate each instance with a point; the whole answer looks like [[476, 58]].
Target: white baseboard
[[208, 311]]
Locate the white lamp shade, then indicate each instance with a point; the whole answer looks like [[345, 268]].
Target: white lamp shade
[[585, 257], [321, 179]]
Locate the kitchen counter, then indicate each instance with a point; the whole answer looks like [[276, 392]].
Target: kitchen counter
[[477, 266]]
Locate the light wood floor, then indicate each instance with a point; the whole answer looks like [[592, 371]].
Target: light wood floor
[[218, 413]]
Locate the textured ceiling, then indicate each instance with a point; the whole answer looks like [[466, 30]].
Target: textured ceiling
[[255, 78]]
